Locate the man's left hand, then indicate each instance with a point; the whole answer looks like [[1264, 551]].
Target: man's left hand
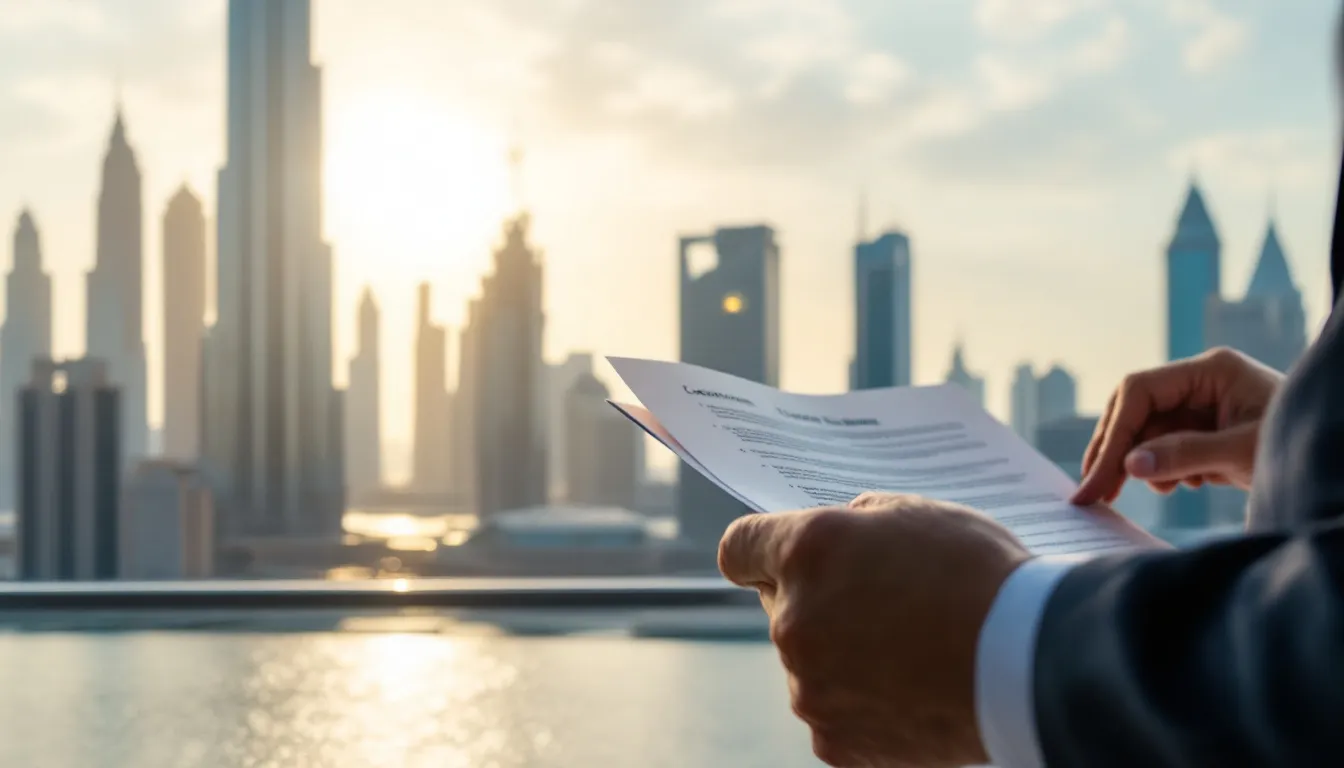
[[876, 611]]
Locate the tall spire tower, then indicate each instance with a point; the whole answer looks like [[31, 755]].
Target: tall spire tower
[[1194, 279], [25, 336], [115, 316]]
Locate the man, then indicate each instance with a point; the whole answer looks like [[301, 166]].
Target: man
[[920, 633]]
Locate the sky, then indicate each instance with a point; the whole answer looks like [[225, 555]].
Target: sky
[[1036, 152]]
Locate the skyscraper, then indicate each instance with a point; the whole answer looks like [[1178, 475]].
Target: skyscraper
[[506, 330], [600, 447], [183, 324], [1064, 441], [274, 422], [560, 378], [730, 307], [25, 337], [1056, 396], [882, 328], [69, 472], [1193, 280], [1268, 323], [462, 404], [432, 439], [1025, 401], [116, 290], [959, 374], [363, 424], [1193, 276]]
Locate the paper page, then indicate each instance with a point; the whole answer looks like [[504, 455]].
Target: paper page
[[778, 451], [649, 424]]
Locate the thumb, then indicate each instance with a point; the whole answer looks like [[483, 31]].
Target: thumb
[[1180, 455]]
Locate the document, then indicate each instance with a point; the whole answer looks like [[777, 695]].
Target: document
[[777, 451]]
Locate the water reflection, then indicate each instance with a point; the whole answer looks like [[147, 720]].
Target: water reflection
[[423, 697], [407, 531]]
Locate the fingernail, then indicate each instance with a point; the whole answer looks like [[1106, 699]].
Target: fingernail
[[1141, 463]]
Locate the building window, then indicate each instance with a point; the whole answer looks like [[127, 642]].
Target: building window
[[734, 304]]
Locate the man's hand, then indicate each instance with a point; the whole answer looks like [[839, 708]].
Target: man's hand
[[876, 612], [1193, 421]]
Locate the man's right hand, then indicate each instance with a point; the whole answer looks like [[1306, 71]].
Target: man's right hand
[[1193, 421]]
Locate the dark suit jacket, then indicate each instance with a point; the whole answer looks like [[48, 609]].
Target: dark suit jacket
[[1229, 655]]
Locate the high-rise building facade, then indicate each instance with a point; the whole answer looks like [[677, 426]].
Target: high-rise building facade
[[363, 401], [1268, 323], [183, 324], [1023, 413], [462, 405], [432, 440], [1064, 441], [507, 367], [1194, 269], [167, 523], [960, 375], [882, 330], [273, 449], [1194, 259], [1056, 396], [560, 378], [115, 317], [599, 446], [25, 337], [69, 472], [730, 322]]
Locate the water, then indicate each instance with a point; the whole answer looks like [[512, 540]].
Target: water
[[456, 700]]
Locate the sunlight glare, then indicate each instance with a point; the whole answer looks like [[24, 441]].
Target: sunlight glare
[[409, 181]]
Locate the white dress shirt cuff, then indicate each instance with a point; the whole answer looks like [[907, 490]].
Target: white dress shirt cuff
[[1005, 661]]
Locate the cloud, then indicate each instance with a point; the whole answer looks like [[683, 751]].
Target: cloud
[[1020, 20], [1104, 51], [1217, 37], [941, 113], [676, 90], [874, 77], [1009, 86]]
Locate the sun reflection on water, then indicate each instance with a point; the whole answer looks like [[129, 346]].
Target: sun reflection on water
[[407, 532]]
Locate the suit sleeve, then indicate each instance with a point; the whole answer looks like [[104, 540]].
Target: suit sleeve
[[1229, 655]]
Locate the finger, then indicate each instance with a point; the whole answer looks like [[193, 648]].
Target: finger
[[1190, 456], [1138, 398], [1094, 445], [747, 554]]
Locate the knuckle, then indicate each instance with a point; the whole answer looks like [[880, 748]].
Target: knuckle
[[870, 500], [1223, 357], [814, 538], [866, 499], [1132, 384], [790, 634]]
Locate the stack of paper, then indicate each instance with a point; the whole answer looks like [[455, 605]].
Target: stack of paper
[[776, 451]]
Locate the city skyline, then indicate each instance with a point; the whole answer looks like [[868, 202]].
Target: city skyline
[[1092, 223]]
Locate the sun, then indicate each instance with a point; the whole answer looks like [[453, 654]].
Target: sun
[[409, 181]]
